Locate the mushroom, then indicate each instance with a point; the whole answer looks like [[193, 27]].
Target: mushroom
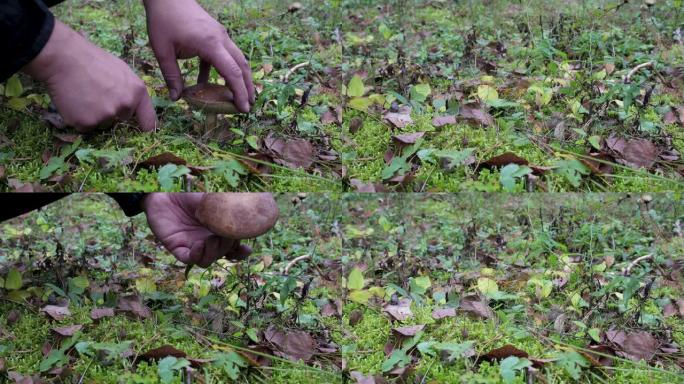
[[213, 100], [238, 216]]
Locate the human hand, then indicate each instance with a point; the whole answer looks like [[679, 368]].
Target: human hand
[[182, 29], [171, 217], [89, 86]]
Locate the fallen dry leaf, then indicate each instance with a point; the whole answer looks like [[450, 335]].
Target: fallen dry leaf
[[67, 331], [57, 313], [638, 153], [408, 331], [408, 138], [441, 121], [297, 153], [401, 311], [504, 352], [443, 312], [355, 317], [98, 313], [361, 379], [475, 306], [134, 305], [476, 113], [504, 160], [639, 346], [400, 119], [293, 345]]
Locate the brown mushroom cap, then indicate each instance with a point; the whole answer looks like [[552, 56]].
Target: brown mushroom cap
[[211, 98], [238, 215]]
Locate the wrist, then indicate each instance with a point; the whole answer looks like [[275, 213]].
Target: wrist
[[52, 57]]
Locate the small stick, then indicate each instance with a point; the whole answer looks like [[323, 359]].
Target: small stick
[[294, 69], [634, 263], [628, 78], [295, 261]]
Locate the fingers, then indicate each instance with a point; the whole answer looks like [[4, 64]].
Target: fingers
[[233, 74], [171, 71], [204, 69], [239, 57], [145, 114]]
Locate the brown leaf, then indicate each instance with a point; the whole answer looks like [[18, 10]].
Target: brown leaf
[[504, 160], [328, 117], [408, 138], [54, 119], [408, 331], [162, 352], [361, 379], [362, 187], [355, 125], [293, 345], [639, 346], [400, 119], [473, 305], [134, 305], [355, 317], [441, 121], [297, 153], [638, 153], [13, 316], [57, 313], [330, 309], [67, 331], [162, 160], [443, 312], [504, 352], [67, 137], [401, 311], [476, 113], [670, 117], [669, 310], [98, 313], [680, 304]]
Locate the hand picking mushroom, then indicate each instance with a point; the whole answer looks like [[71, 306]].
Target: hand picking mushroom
[[211, 99]]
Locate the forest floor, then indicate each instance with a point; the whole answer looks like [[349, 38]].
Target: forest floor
[[406, 95], [391, 288]]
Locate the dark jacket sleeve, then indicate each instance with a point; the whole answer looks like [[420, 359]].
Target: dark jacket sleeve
[[16, 204], [25, 28]]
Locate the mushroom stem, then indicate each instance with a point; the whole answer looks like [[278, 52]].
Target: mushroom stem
[[211, 123]]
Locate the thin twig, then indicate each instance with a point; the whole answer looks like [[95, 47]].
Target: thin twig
[[295, 261], [635, 262], [628, 78]]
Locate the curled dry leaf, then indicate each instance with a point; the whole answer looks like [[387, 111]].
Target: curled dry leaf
[[639, 346], [67, 331], [98, 313], [292, 345], [400, 119], [298, 153], [504, 352], [408, 138], [477, 113], [441, 121], [57, 313], [135, 306], [408, 331], [474, 306], [401, 311], [443, 312], [638, 153]]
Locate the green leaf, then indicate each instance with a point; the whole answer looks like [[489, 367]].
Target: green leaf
[[420, 285], [253, 141], [487, 286], [595, 141], [18, 103], [360, 296], [13, 281], [572, 362], [420, 92], [231, 171], [168, 174], [398, 358], [252, 334], [53, 165], [487, 93], [231, 363], [355, 280], [455, 350], [356, 87], [13, 87], [167, 367], [510, 173], [510, 366], [595, 334], [359, 103], [55, 358]]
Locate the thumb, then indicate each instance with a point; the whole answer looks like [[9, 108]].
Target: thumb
[[146, 115], [171, 71]]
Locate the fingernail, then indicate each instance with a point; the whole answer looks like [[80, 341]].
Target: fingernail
[[174, 95]]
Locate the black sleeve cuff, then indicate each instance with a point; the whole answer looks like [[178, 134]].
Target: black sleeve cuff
[[16, 204], [131, 203], [25, 28]]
